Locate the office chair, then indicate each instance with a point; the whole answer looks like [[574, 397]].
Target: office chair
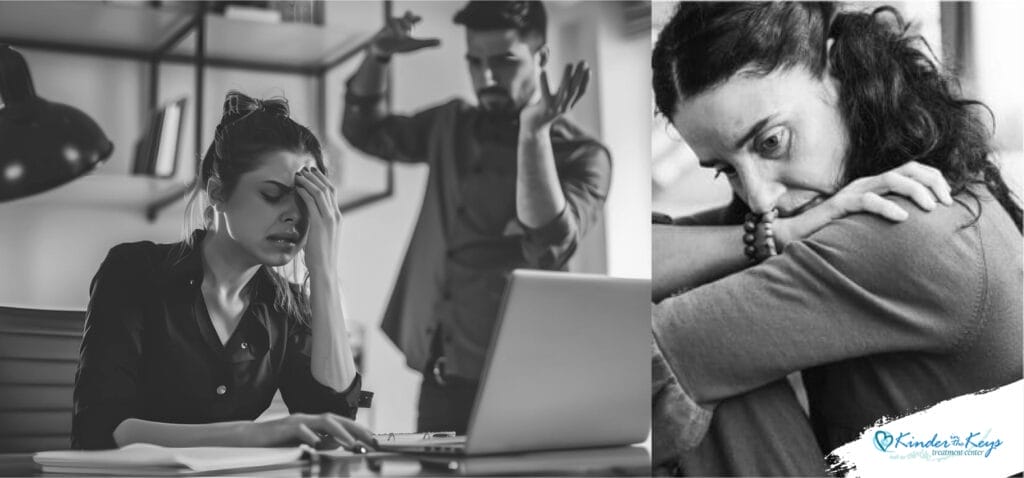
[[38, 358]]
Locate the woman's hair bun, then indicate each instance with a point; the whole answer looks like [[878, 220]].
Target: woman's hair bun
[[238, 105]]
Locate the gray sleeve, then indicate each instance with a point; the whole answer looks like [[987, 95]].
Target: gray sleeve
[[678, 422], [858, 287]]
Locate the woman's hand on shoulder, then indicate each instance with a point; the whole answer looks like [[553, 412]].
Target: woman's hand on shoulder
[[922, 184], [302, 428], [320, 198]]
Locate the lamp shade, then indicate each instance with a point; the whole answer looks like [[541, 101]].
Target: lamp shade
[[42, 144]]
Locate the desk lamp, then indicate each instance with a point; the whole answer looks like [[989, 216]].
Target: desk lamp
[[42, 144]]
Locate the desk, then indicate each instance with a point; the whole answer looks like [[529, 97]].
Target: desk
[[619, 461]]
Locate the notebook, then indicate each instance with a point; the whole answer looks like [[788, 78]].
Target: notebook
[[145, 459], [568, 367]]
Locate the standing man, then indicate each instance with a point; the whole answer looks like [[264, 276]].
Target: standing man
[[512, 185]]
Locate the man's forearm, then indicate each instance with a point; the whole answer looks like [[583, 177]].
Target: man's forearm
[[371, 77], [539, 195]]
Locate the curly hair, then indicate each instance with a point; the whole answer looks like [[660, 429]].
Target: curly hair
[[896, 101]]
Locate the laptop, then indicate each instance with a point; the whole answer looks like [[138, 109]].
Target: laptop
[[568, 367]]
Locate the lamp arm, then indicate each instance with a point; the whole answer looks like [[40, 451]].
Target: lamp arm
[[15, 80]]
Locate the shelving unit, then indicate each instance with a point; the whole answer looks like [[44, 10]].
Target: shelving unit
[[190, 36], [114, 191]]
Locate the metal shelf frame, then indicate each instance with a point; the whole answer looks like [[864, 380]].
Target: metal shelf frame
[[200, 61]]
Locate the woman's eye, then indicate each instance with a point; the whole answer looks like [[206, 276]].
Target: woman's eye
[[774, 144], [271, 197]]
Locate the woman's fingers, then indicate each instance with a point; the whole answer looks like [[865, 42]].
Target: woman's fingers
[[312, 205], [907, 187], [328, 424], [320, 179], [358, 431], [306, 435], [330, 193], [346, 431], [875, 204], [321, 193], [929, 177]]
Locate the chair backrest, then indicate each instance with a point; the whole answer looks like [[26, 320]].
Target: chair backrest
[[38, 358]]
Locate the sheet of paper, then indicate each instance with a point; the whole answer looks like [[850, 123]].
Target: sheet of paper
[[144, 455]]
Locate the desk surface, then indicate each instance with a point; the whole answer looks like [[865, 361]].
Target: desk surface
[[621, 461]]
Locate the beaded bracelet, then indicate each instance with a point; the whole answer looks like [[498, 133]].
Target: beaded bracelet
[[750, 225]]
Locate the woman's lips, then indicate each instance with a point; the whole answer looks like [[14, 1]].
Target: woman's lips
[[284, 240]]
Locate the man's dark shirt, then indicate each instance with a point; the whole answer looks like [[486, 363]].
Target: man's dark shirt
[[468, 238], [150, 350]]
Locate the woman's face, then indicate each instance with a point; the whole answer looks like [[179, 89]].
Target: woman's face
[[263, 214], [778, 138]]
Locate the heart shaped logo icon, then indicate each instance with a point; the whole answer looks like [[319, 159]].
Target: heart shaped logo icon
[[883, 440]]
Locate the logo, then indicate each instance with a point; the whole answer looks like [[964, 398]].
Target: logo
[[906, 444], [883, 440]]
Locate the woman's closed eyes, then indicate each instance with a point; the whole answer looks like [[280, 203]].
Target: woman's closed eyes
[[274, 198], [277, 192]]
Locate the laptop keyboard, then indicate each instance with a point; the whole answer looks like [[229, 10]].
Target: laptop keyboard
[[427, 444]]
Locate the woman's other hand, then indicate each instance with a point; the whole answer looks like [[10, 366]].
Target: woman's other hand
[[924, 185], [301, 428], [319, 196]]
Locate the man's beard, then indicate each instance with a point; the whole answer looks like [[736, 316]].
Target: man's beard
[[498, 118], [497, 104]]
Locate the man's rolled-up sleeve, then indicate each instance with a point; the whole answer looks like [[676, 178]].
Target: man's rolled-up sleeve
[[106, 382], [368, 126], [585, 179], [302, 393]]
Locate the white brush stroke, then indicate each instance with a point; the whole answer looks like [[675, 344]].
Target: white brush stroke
[[997, 414]]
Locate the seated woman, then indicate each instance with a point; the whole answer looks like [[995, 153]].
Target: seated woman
[[814, 115], [185, 344]]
